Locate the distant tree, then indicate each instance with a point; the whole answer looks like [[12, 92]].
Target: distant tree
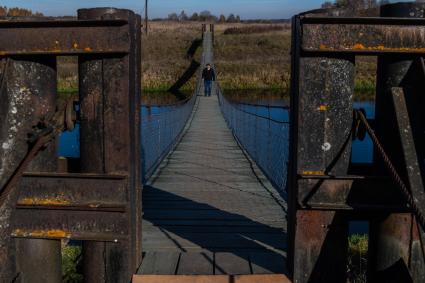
[[173, 17], [19, 12], [183, 17], [238, 19], [222, 18], [194, 17], [3, 11], [205, 16], [231, 18], [328, 5]]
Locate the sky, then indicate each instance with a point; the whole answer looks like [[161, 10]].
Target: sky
[[247, 9]]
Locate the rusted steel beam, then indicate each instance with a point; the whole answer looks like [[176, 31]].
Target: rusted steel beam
[[371, 194], [321, 120], [74, 191], [72, 38], [320, 251], [110, 96], [394, 238], [363, 36], [42, 260], [56, 223], [28, 93], [31, 253]]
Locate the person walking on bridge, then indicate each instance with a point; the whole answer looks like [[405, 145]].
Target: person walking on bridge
[[208, 75]]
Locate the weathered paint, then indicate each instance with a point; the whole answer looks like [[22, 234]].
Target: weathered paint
[[28, 96], [110, 96], [393, 245]]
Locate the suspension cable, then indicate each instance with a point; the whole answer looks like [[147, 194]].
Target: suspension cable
[[393, 171]]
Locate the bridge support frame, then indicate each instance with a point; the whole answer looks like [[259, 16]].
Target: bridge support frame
[[114, 85], [326, 190], [103, 203]]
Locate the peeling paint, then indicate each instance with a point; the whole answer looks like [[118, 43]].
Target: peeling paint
[[43, 201]]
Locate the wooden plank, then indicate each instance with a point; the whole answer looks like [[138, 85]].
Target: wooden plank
[[267, 278], [159, 263], [231, 263], [180, 279], [196, 263], [210, 214], [234, 205], [215, 223], [267, 263], [210, 241], [150, 228]]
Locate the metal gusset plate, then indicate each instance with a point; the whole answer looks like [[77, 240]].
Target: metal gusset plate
[[77, 206], [64, 37], [363, 35]]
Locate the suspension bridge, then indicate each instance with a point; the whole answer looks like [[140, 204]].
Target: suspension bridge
[[208, 208], [209, 190]]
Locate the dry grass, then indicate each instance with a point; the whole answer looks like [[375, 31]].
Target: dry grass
[[254, 29], [164, 53], [242, 60], [257, 58]]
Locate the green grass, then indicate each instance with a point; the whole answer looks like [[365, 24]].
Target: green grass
[[72, 264], [357, 258]]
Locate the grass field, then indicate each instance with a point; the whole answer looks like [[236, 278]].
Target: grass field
[[257, 59]]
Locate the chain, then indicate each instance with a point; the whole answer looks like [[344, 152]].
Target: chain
[[393, 171]]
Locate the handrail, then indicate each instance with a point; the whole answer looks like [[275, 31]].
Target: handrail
[[264, 139]]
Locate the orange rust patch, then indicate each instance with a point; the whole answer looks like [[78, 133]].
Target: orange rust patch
[[47, 201], [88, 49], [358, 46], [54, 233], [361, 47]]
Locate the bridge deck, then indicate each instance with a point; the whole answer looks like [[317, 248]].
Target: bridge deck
[[209, 209]]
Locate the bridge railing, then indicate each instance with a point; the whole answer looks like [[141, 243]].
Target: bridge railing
[[264, 137], [162, 127]]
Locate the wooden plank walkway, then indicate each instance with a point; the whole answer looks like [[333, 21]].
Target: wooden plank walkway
[[209, 209]]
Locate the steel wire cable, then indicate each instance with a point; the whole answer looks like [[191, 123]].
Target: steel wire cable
[[392, 170], [265, 139], [160, 131]]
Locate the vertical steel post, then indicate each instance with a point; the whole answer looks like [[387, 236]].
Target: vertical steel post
[[395, 241], [110, 141], [28, 95], [321, 119]]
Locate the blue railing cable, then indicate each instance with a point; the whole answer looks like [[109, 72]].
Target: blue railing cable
[[264, 138]]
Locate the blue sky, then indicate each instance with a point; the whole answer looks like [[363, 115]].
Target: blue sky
[[160, 8]]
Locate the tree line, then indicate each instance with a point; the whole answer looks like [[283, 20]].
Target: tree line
[[17, 12], [204, 16]]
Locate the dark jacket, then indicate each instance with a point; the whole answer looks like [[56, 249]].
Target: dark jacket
[[208, 75]]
